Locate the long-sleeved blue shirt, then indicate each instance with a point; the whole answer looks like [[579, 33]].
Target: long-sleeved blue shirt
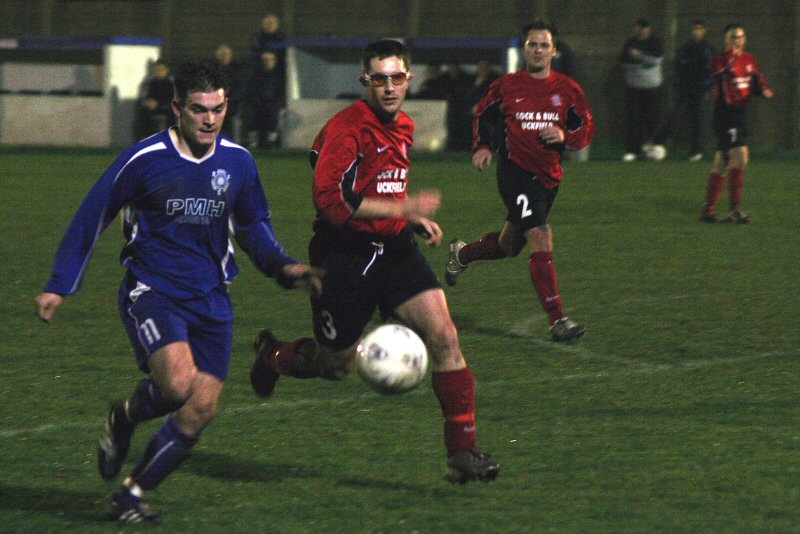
[[179, 214]]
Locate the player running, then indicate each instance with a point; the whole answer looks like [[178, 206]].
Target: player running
[[364, 241], [180, 191], [542, 113]]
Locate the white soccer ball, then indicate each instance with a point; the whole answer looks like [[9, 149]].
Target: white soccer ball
[[392, 359], [656, 153]]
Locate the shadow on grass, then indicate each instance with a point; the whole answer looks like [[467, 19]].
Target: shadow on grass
[[227, 467], [70, 505], [421, 490], [471, 325]]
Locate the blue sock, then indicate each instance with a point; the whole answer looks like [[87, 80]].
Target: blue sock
[[147, 402], [165, 452]]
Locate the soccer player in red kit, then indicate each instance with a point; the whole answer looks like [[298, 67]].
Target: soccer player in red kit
[[364, 241], [542, 113], [736, 77]]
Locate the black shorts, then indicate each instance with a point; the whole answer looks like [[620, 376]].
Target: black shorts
[[362, 275], [729, 127], [527, 199]]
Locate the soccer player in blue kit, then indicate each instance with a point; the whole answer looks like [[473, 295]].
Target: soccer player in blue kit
[[182, 192]]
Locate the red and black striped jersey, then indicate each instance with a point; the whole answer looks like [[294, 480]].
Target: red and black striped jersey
[[356, 156], [736, 78], [525, 105]]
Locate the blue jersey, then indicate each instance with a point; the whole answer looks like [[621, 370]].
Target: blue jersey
[[179, 213]]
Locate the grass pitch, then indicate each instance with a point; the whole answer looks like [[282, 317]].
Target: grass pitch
[[677, 412]]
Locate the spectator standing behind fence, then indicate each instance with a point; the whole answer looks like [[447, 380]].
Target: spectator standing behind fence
[[270, 39], [641, 60], [691, 80], [484, 76], [459, 108], [434, 84], [265, 99], [564, 60], [155, 106], [235, 72]]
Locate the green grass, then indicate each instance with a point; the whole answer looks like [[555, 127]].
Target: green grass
[[678, 412]]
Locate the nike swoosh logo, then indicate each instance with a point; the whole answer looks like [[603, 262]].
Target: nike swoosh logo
[[382, 149], [518, 100]]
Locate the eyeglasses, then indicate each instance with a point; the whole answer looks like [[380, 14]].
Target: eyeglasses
[[379, 80]]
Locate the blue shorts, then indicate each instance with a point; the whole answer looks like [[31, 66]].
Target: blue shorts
[[153, 321]]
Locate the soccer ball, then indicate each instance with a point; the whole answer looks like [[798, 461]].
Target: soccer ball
[[392, 359], [656, 153]]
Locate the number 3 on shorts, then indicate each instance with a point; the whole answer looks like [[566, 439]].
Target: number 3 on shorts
[[327, 325], [522, 200]]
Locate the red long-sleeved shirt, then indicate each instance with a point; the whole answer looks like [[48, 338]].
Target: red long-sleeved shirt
[[356, 156], [736, 78], [526, 106]]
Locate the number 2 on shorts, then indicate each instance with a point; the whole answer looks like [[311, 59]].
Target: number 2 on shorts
[[525, 212]]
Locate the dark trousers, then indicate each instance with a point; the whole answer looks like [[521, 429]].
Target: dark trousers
[[690, 111], [643, 108]]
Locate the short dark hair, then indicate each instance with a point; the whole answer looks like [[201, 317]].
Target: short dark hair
[[699, 22], [540, 23], [203, 76], [383, 49], [642, 22], [731, 26]]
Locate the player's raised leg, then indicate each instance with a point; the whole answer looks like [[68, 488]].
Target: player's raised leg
[[300, 358], [462, 254]]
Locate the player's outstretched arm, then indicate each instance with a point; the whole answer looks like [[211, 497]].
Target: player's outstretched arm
[[303, 276], [423, 204], [429, 230], [47, 304]]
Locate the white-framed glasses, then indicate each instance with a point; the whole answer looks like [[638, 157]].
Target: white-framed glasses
[[379, 80]]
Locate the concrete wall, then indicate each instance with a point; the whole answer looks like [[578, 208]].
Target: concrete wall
[[55, 120]]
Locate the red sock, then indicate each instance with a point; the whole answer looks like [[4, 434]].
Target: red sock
[[286, 361], [713, 191], [456, 393], [485, 248], [545, 280], [735, 187]]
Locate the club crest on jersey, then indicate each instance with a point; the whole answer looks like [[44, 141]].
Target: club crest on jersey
[[220, 180], [556, 100]]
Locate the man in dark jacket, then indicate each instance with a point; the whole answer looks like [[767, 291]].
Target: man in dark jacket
[[265, 99], [691, 79]]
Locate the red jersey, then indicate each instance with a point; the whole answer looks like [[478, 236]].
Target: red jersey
[[356, 156], [736, 78], [526, 105]]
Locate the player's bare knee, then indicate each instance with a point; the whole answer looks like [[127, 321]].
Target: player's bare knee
[[443, 341], [179, 388], [204, 411]]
